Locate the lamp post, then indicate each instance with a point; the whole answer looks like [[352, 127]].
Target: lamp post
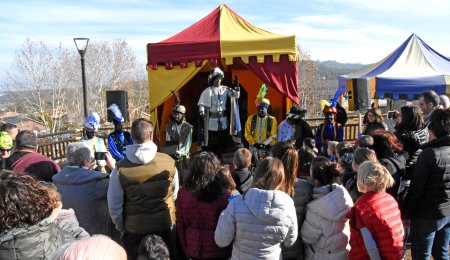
[[82, 44]]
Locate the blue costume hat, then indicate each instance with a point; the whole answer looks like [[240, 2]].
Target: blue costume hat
[[118, 118], [93, 121]]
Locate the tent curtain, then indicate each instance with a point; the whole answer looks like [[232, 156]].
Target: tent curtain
[[168, 80], [282, 75]]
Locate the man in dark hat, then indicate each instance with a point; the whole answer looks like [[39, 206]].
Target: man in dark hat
[[119, 139], [294, 127]]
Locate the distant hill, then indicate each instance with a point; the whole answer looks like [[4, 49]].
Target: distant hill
[[331, 69]]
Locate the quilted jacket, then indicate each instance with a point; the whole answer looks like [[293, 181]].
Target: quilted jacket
[[257, 223]]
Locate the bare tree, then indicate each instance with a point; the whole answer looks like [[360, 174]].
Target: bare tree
[[109, 65], [46, 81], [308, 74], [39, 80]]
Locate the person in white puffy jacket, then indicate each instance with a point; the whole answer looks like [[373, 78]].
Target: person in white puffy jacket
[[259, 221], [326, 230]]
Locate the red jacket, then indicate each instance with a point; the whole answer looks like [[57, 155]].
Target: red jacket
[[379, 213], [196, 224]]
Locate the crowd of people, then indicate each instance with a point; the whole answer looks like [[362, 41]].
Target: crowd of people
[[305, 196]]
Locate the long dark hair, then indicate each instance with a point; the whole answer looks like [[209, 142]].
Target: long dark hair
[[202, 178], [385, 143], [23, 201], [412, 119], [286, 152], [269, 175], [326, 172]]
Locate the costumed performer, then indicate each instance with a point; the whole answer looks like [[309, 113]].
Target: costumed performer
[[179, 131], [96, 144], [329, 130], [215, 131], [119, 139], [261, 128]]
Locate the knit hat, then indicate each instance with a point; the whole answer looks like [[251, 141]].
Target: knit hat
[[5, 140]]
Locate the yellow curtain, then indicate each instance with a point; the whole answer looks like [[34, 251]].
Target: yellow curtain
[[162, 81]]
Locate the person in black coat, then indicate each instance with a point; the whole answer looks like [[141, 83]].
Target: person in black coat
[[390, 154], [241, 175], [428, 199]]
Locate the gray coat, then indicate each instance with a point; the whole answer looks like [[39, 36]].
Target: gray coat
[[302, 196], [257, 223], [85, 191], [33, 242]]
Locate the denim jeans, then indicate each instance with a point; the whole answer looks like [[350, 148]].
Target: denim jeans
[[430, 236]]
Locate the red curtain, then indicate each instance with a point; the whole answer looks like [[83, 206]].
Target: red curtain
[[282, 75]]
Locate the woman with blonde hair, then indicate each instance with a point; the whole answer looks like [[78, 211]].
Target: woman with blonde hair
[[259, 221], [376, 229]]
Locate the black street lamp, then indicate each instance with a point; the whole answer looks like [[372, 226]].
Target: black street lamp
[[82, 44]]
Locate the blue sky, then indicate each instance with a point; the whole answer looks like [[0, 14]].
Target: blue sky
[[343, 30]]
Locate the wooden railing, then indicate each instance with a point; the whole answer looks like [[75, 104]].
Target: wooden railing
[[54, 145]]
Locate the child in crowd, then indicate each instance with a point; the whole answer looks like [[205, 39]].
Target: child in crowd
[[227, 182], [305, 155], [339, 151], [375, 221], [326, 230], [300, 190], [344, 157], [241, 175], [152, 247], [360, 155], [258, 222], [310, 143], [365, 141], [331, 151]]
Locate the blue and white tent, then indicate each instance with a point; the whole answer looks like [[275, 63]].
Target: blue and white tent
[[411, 69]]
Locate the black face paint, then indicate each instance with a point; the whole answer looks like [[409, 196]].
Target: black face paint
[[177, 117], [90, 135], [329, 117], [118, 127], [262, 111]]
